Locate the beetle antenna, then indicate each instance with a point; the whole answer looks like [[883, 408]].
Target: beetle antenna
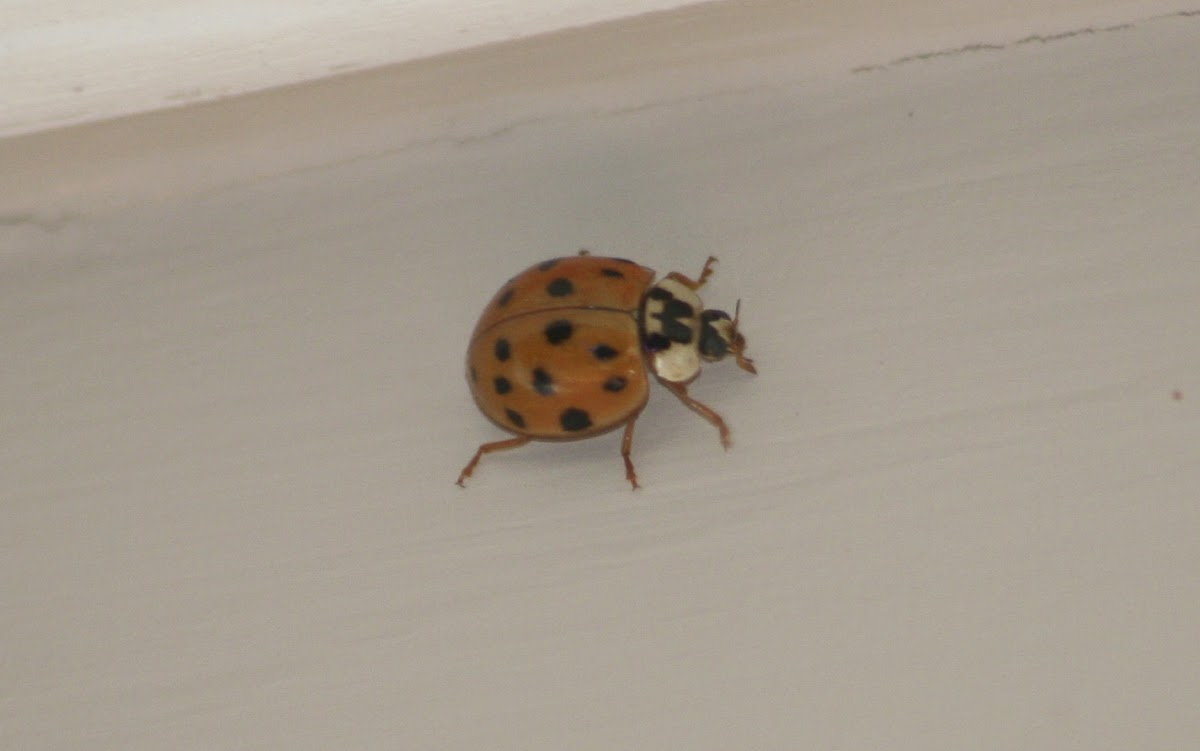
[[738, 346]]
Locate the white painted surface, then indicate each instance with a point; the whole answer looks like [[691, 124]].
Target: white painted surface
[[961, 510], [69, 61], [64, 62]]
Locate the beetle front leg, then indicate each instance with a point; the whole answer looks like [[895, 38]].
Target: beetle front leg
[[694, 284], [680, 391]]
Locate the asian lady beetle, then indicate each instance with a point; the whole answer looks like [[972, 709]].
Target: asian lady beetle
[[563, 349]]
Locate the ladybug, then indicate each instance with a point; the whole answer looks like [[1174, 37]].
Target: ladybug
[[563, 350]]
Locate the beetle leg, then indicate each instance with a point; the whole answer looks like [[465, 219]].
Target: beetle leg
[[626, 449], [680, 390], [487, 448], [705, 273]]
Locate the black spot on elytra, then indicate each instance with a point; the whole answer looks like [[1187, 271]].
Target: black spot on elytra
[[502, 384], [603, 352], [656, 342], [560, 287], [503, 350], [515, 418], [505, 297], [574, 419], [615, 384], [542, 382], [613, 273], [547, 265], [559, 331]]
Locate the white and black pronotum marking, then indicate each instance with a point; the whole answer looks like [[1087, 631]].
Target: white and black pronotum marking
[[677, 332]]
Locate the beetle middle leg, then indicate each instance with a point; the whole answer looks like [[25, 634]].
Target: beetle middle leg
[[627, 449]]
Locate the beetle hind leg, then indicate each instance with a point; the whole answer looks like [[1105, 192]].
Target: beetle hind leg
[[488, 448]]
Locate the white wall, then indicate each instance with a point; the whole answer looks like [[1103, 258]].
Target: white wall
[[960, 509], [69, 61]]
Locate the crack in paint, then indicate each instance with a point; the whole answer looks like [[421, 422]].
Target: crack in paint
[[43, 223], [1032, 39]]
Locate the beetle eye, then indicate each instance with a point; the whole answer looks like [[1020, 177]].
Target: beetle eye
[[714, 334], [712, 346]]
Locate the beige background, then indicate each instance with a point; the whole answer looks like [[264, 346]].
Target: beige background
[[961, 507]]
